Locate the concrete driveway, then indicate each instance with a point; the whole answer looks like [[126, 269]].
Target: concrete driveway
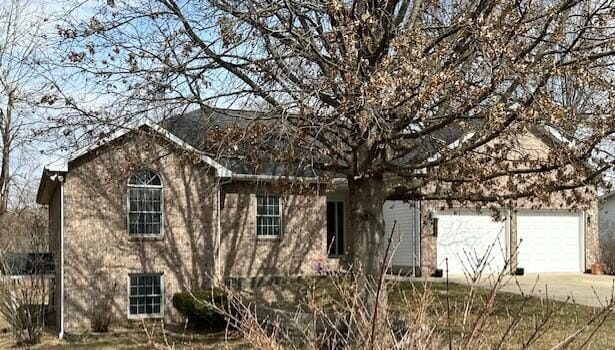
[[591, 290]]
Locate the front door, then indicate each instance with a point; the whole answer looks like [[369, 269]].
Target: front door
[[335, 228]]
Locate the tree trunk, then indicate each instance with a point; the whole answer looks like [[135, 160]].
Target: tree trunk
[[4, 179], [5, 129], [367, 196]]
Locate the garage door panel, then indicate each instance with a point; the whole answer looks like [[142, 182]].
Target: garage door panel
[[549, 241], [466, 239]]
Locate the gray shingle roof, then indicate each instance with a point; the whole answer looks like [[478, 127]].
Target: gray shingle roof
[[192, 127]]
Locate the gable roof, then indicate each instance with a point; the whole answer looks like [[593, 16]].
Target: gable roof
[[221, 171], [187, 131], [51, 171]]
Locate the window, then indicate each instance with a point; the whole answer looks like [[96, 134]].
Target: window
[[145, 204], [268, 216], [335, 228], [145, 297]]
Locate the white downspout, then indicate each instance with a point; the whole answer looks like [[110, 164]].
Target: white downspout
[[61, 335]]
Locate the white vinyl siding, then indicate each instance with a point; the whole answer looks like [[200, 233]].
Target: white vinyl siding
[[405, 243], [607, 218]]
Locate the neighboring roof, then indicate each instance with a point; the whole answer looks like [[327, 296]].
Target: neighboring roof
[[608, 196]]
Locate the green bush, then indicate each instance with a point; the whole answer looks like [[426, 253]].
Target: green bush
[[196, 307]]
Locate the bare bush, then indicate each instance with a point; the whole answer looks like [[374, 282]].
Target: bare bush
[[607, 254], [24, 274], [102, 308], [419, 321]]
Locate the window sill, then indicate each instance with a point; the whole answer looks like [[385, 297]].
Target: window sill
[[145, 316], [269, 238], [145, 237]]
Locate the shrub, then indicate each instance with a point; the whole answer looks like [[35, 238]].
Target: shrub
[[23, 300], [607, 255], [199, 307], [102, 306]]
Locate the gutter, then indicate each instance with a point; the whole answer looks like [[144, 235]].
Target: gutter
[[251, 177], [338, 181]]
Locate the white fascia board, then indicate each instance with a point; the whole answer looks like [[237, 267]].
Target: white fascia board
[[221, 170], [559, 135], [452, 146]]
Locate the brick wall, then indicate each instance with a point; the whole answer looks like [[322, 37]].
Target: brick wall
[[99, 255], [297, 251]]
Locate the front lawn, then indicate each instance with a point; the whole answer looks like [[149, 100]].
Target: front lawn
[[299, 294], [562, 319], [137, 341]]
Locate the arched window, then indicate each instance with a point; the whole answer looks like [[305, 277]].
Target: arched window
[[145, 204]]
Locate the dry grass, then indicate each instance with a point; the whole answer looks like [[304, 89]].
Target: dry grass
[[403, 297], [136, 341], [564, 319]]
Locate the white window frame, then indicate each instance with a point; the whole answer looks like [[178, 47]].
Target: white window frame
[[161, 187], [256, 216], [162, 296]]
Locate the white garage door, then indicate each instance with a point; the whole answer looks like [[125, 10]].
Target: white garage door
[[466, 238], [405, 242], [549, 241]]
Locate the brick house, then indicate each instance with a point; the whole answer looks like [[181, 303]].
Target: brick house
[[146, 214]]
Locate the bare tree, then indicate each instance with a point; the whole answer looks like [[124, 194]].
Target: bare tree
[[21, 41], [25, 269], [406, 99]]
